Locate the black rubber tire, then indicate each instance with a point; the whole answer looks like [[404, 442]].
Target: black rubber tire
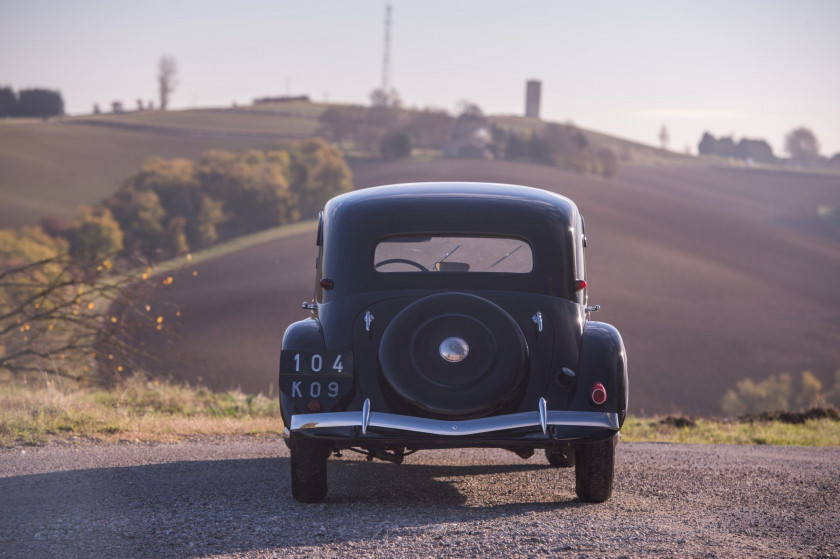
[[309, 468], [594, 470], [561, 457]]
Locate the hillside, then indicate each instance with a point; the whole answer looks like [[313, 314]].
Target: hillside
[[628, 151], [52, 167], [712, 275]]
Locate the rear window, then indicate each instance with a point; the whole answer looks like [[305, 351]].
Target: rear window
[[418, 253]]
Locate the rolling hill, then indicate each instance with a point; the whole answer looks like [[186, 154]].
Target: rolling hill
[[51, 167], [712, 275]]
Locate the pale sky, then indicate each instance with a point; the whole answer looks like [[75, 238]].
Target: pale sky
[[754, 68]]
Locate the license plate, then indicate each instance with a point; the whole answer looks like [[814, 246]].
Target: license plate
[[294, 362], [325, 376], [322, 387]]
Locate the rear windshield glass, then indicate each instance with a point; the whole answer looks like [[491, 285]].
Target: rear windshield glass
[[417, 253]]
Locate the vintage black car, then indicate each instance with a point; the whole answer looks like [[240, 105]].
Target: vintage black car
[[452, 315]]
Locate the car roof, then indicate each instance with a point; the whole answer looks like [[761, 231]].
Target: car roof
[[480, 195]]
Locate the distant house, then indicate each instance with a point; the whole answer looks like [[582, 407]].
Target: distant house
[[470, 137]]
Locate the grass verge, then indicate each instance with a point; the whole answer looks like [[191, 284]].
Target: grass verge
[[137, 409], [811, 432], [39, 411]]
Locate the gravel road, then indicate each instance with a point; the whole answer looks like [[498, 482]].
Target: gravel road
[[231, 498]]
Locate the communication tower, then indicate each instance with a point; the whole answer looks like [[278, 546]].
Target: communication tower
[[386, 58]]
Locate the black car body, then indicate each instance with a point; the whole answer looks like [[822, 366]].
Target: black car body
[[452, 315]]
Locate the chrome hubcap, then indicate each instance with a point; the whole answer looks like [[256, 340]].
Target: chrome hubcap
[[454, 350]]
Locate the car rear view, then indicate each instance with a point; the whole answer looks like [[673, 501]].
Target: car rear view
[[452, 315]]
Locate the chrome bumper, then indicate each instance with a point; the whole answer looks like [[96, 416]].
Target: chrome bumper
[[541, 417]]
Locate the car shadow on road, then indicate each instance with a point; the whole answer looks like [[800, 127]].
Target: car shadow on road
[[193, 508]]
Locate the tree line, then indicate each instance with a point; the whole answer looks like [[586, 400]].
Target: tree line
[[779, 393], [174, 206], [35, 102], [392, 133], [801, 144]]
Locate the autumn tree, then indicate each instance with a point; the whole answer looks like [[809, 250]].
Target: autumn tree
[[803, 146], [167, 81], [94, 234], [318, 172], [57, 314], [253, 188]]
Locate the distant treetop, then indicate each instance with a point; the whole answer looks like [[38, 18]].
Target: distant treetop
[[35, 102]]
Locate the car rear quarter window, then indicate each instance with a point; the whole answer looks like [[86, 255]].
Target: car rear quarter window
[[435, 253]]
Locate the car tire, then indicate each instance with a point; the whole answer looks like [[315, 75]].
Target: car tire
[[594, 470], [309, 468], [561, 457]]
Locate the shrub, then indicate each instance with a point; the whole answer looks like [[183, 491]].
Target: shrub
[[318, 172], [776, 393], [749, 396], [55, 310], [832, 397], [95, 234], [173, 206], [395, 145], [253, 188], [562, 146]]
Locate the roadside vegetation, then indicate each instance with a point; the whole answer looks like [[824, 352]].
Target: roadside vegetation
[[819, 428], [40, 410], [779, 393]]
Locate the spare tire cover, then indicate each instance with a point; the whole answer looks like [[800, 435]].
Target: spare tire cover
[[413, 365]]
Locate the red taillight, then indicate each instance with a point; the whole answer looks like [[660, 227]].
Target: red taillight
[[598, 394], [580, 284], [314, 406]]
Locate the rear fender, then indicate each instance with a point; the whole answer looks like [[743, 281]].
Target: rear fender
[[305, 335], [602, 360]]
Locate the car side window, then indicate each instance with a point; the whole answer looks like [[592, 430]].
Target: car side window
[[580, 258]]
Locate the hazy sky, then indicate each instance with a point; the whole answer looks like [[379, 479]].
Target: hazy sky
[[749, 68]]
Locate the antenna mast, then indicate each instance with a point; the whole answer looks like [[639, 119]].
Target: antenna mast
[[386, 58]]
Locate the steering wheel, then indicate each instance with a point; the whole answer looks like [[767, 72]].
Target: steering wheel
[[401, 261]]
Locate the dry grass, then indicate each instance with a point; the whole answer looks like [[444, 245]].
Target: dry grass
[[137, 409], [813, 432], [38, 411]]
